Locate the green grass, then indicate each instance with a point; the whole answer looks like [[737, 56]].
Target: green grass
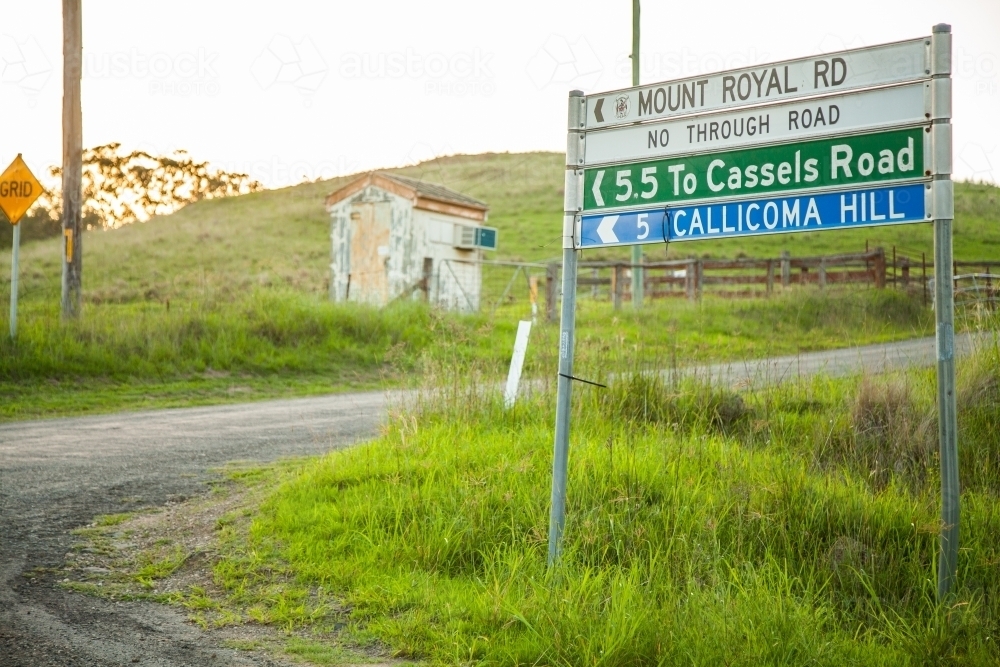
[[160, 568], [106, 520], [793, 525], [225, 300], [273, 343]]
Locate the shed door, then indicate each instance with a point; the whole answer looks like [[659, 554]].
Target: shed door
[[370, 252]]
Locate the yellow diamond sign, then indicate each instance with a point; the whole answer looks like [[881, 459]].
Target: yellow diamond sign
[[18, 190]]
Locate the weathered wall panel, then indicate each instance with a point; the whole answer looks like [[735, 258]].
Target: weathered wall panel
[[380, 244]]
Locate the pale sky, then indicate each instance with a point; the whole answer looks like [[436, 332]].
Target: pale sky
[[296, 90]]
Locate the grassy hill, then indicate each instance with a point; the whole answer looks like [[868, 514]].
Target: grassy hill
[[282, 237]]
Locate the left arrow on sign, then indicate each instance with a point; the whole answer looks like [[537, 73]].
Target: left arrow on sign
[[597, 110], [598, 199], [606, 230]]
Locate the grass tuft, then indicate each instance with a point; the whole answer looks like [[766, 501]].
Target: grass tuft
[[979, 418], [893, 433]]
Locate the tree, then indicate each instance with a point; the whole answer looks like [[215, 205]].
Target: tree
[[120, 189]]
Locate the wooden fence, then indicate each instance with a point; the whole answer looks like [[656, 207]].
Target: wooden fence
[[692, 278], [730, 278]]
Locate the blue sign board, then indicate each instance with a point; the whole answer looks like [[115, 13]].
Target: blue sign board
[[866, 207]]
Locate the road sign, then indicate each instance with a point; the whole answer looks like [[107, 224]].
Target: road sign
[[826, 181], [863, 159], [751, 217], [830, 73], [18, 190], [909, 104]]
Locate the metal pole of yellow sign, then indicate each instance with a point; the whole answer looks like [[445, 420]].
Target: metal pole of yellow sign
[[18, 191], [13, 281]]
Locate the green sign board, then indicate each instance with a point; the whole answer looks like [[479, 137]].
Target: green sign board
[[863, 159]]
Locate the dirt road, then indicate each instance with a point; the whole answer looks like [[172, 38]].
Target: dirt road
[[56, 475]]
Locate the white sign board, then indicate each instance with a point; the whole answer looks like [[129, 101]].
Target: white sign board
[[830, 73], [908, 104]]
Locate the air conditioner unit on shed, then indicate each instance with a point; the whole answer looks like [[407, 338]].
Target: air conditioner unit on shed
[[469, 237]]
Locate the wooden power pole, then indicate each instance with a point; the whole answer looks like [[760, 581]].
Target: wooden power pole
[[72, 159]]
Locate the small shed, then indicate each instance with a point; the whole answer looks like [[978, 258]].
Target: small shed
[[397, 237]]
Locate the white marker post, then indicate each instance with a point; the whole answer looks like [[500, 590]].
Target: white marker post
[[516, 363]]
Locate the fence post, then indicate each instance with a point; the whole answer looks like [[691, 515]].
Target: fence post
[[786, 268], [533, 297], [923, 268], [613, 291], [700, 277], [617, 285], [894, 267], [550, 291], [822, 273], [906, 273], [880, 268], [689, 280], [989, 288]]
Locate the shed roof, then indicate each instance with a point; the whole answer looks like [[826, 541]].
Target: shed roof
[[424, 195]]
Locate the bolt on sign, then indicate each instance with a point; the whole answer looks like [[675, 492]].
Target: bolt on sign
[[18, 190], [835, 141]]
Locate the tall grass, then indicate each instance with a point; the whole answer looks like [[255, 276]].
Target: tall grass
[[265, 331], [703, 527], [125, 352]]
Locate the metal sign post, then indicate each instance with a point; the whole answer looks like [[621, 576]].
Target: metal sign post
[[14, 262], [944, 310], [572, 205], [852, 139]]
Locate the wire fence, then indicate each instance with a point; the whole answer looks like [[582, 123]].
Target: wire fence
[[485, 286]]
